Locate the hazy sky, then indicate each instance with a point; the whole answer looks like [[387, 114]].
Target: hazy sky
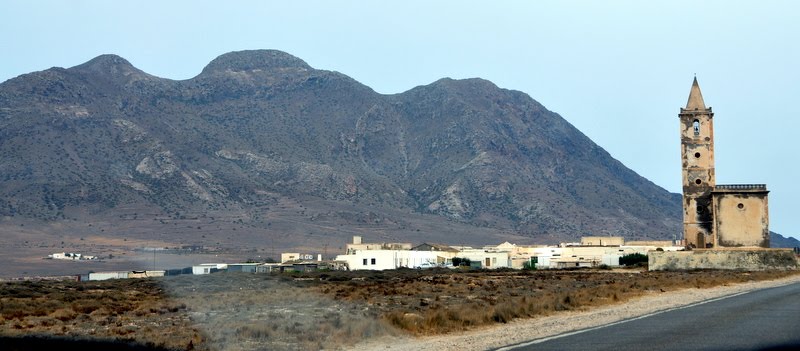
[[617, 70]]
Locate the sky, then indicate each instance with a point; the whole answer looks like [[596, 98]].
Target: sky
[[617, 70]]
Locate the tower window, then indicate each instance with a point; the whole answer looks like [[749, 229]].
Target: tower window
[[698, 181], [696, 127], [740, 206], [696, 155]]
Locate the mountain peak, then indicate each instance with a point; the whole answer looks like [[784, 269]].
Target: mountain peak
[[463, 83], [108, 64], [248, 60]]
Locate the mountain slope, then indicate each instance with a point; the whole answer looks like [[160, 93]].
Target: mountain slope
[[104, 136], [779, 241]]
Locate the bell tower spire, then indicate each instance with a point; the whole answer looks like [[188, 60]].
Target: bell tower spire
[[695, 98], [697, 155]]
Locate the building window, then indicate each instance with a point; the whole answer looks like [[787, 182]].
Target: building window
[[365, 261], [696, 127], [740, 206], [696, 155], [698, 181], [373, 261]]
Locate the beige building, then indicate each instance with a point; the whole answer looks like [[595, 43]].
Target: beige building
[[715, 216], [358, 245], [296, 256], [602, 241]]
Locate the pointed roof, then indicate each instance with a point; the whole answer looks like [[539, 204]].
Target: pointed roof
[[695, 98]]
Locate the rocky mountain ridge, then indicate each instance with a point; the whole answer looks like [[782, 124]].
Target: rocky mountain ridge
[[104, 135]]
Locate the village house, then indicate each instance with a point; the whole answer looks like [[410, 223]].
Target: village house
[[393, 259], [94, 276], [357, 245], [208, 268], [243, 267], [70, 256], [296, 256]]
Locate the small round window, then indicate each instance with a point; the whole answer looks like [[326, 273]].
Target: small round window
[[698, 181], [740, 206], [696, 155]]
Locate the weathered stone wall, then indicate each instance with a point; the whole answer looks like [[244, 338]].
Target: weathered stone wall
[[751, 260], [741, 219]]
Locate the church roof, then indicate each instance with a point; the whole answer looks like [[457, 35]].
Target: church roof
[[695, 98]]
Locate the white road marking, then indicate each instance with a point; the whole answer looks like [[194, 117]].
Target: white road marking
[[539, 341]]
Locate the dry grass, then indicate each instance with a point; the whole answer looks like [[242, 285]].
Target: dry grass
[[330, 310], [443, 301], [132, 310], [239, 311]]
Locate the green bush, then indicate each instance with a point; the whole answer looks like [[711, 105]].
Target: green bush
[[459, 261], [632, 259], [527, 265]]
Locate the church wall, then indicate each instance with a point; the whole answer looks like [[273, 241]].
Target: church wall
[[741, 219], [698, 219], [735, 259]]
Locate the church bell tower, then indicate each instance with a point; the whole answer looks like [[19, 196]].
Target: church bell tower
[[697, 155]]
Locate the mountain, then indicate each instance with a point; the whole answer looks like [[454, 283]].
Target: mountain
[[779, 241], [257, 130]]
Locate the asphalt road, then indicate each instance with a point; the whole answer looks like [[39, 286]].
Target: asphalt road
[[767, 319]]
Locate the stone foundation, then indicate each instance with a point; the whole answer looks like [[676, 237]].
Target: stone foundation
[[735, 259]]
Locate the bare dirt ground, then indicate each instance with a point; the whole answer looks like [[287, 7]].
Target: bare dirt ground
[[366, 310]]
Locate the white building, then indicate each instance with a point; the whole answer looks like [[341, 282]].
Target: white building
[[488, 259], [207, 268], [70, 256], [393, 259], [107, 275], [296, 256]]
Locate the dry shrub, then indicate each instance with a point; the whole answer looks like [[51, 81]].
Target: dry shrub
[[15, 313], [64, 314], [407, 321], [254, 331], [101, 313], [464, 316], [505, 312], [48, 321], [141, 311], [86, 306], [359, 329], [123, 330], [538, 307]]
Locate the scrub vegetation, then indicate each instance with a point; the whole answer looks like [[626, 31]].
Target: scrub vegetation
[[310, 311]]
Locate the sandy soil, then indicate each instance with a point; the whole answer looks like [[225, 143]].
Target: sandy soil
[[519, 331]]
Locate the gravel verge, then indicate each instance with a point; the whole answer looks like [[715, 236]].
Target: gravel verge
[[522, 330]]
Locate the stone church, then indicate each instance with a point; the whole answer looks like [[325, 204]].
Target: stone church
[[716, 216]]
